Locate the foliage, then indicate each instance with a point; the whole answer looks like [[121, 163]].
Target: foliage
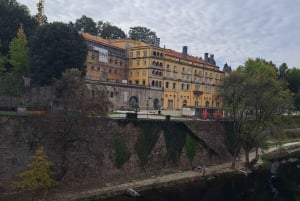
[[146, 141], [53, 49], [10, 84], [121, 153], [108, 31], [293, 80], [252, 95], [12, 15], [18, 53], [190, 146], [38, 177], [175, 135], [86, 24], [73, 95], [142, 34]]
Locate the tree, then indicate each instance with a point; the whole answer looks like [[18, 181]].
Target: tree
[[282, 71], [252, 95], [53, 49], [108, 31], [293, 80], [76, 104], [86, 24], [18, 53], [12, 15], [142, 34], [3, 61], [38, 177]]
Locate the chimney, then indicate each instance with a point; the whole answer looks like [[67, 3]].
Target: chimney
[[157, 42], [212, 59], [184, 51], [206, 57]]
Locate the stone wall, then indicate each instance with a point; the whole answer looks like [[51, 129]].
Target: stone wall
[[86, 153]]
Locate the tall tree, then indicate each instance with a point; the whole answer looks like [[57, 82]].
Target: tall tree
[[54, 48], [293, 80], [108, 31], [252, 95], [282, 71], [77, 104], [142, 34], [86, 24], [18, 53], [12, 15], [38, 177]]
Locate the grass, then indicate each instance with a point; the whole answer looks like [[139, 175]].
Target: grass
[[8, 113]]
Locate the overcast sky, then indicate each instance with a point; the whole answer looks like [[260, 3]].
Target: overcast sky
[[232, 30]]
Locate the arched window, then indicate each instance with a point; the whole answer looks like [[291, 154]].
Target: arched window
[[156, 83], [159, 83], [152, 83], [207, 104]]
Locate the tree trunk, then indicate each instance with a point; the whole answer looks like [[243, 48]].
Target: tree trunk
[[247, 162]]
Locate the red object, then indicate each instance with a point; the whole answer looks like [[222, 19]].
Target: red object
[[205, 114], [216, 114]]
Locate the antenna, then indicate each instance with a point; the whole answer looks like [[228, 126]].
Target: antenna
[[40, 15]]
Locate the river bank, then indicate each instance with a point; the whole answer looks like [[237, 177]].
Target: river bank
[[171, 179]]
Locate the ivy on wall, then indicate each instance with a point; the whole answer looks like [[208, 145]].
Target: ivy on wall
[[175, 134], [146, 140], [120, 153], [190, 146]]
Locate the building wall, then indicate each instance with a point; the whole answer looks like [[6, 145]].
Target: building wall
[[182, 80]]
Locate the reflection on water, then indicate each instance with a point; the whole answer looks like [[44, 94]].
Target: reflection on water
[[283, 184]]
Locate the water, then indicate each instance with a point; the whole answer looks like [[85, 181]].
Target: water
[[260, 185]]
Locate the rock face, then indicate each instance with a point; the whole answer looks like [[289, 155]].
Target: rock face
[[84, 153]]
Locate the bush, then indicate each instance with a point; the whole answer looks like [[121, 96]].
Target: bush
[[190, 147]]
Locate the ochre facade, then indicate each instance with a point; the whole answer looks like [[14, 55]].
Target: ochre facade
[[184, 80]]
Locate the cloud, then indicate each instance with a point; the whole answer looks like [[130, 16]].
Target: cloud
[[233, 31]]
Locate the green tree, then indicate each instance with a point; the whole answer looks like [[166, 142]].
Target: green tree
[[252, 95], [12, 14], [38, 177], [142, 34], [53, 49], [293, 80], [108, 31], [282, 71], [86, 24], [18, 53], [3, 61]]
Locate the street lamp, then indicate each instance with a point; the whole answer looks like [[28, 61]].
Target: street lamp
[[148, 106]]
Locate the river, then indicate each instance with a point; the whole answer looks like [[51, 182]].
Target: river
[[260, 185]]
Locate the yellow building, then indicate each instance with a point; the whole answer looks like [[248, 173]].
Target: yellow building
[[185, 81]]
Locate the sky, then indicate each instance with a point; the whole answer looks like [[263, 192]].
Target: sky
[[232, 30]]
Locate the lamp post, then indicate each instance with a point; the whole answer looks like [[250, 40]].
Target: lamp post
[[148, 106]]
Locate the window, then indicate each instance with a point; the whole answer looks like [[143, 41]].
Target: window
[[145, 62], [145, 53], [137, 62], [111, 94], [144, 73], [93, 56], [137, 73], [138, 53], [115, 71], [130, 74], [116, 61], [167, 85], [98, 68], [109, 70], [174, 85], [136, 82], [92, 67], [182, 86], [130, 54], [144, 82], [130, 63], [187, 87], [197, 87]]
